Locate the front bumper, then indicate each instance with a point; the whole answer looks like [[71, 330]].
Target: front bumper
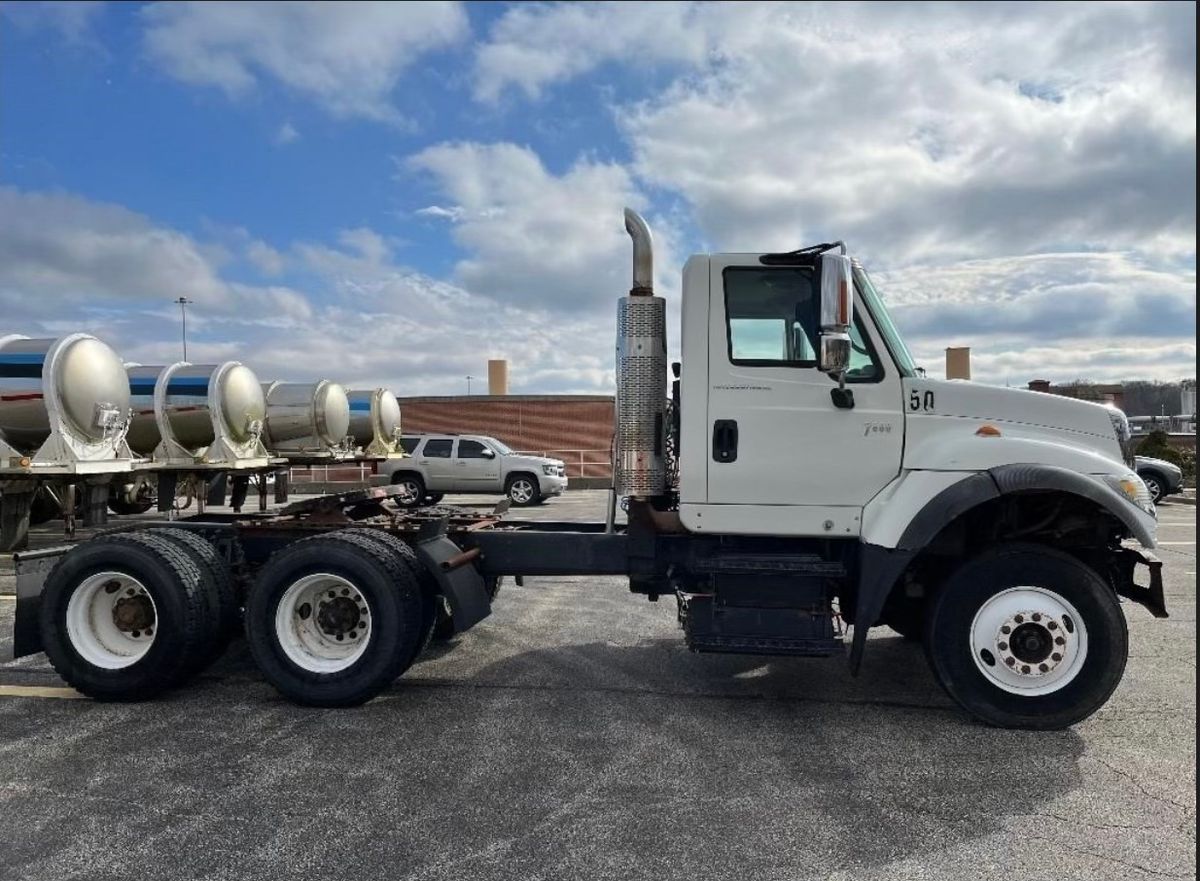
[[1124, 565], [552, 485]]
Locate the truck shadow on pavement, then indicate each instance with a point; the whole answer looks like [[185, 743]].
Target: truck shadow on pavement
[[769, 755]]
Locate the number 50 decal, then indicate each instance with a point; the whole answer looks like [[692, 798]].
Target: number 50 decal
[[919, 401]]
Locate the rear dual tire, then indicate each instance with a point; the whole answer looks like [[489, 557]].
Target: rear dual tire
[[335, 619], [127, 616]]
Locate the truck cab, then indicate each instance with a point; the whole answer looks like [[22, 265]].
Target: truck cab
[[839, 483]]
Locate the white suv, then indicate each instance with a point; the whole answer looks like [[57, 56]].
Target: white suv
[[447, 463]]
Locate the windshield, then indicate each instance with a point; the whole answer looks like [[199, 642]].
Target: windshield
[[883, 321], [500, 447]]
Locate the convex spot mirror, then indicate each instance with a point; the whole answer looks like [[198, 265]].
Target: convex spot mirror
[[837, 313]]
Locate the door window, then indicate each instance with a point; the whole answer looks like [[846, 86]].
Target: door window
[[408, 444], [771, 315], [469, 449], [437, 449]]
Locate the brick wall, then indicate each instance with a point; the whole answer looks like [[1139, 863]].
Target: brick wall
[[575, 428]]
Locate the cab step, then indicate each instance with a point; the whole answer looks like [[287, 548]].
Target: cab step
[[758, 564]]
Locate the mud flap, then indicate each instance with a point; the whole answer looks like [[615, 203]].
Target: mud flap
[[1150, 596], [461, 585]]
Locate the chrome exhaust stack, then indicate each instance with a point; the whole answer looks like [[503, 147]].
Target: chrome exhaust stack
[[639, 468]]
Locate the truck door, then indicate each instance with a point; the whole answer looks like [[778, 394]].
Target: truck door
[[474, 469], [436, 461], [778, 442]]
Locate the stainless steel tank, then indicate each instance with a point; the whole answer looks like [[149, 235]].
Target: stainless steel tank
[[375, 420], [306, 415], [143, 434], [219, 407], [73, 386]]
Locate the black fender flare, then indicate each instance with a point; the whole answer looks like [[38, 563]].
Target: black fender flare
[[880, 567]]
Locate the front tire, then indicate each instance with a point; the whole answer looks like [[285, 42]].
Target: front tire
[[1024, 636], [1155, 484], [412, 490], [523, 490]]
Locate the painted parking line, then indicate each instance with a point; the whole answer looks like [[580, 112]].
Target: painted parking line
[[1176, 542], [40, 691]]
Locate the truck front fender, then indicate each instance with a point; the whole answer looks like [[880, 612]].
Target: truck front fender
[[887, 550]]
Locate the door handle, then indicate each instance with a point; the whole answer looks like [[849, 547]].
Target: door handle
[[725, 440]]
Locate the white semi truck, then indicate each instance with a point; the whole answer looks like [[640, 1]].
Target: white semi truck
[[801, 474]]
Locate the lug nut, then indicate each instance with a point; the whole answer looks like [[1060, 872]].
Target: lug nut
[[1024, 668], [1058, 640], [1006, 629], [1037, 617], [1010, 661], [1019, 618], [345, 591], [1056, 657], [149, 631], [136, 634], [1043, 667], [1003, 646], [1053, 625]]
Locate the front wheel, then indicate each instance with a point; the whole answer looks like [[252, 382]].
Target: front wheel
[[1024, 636], [523, 490], [412, 490], [1154, 484]]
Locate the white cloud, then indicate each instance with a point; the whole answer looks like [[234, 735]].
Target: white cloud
[[1062, 316], [532, 237], [347, 57], [532, 46], [70, 264], [286, 134], [71, 19]]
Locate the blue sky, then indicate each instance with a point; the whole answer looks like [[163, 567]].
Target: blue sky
[[393, 193]]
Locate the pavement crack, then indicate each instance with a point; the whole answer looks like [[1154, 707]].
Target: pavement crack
[[1106, 857], [1121, 772]]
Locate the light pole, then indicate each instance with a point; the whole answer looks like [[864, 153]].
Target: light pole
[[183, 304], [469, 378]]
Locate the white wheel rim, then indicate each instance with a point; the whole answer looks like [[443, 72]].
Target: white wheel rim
[[323, 623], [521, 491], [111, 620], [1050, 644]]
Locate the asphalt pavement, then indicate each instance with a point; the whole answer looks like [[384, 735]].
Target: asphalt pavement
[[571, 735]]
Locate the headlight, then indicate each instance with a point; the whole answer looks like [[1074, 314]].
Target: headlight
[[1120, 424], [549, 470], [1132, 490]]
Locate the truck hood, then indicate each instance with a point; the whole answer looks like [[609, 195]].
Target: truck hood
[[1033, 415]]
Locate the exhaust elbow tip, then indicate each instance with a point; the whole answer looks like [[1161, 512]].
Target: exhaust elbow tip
[[643, 252]]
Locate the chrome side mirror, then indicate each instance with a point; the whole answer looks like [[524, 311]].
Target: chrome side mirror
[[488, 454], [837, 313]]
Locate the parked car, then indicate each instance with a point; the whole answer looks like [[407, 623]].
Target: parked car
[[1161, 477], [446, 463]]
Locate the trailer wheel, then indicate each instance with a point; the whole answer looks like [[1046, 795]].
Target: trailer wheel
[[329, 621], [125, 616], [523, 490], [405, 558], [1025, 636], [412, 489], [219, 580]]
